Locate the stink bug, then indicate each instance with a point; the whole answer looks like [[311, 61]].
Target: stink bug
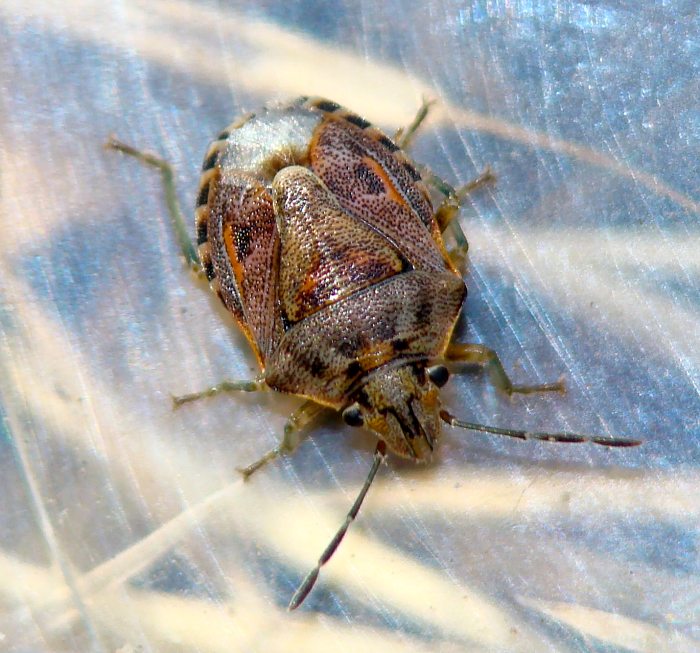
[[318, 234]]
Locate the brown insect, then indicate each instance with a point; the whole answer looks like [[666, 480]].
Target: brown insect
[[318, 234]]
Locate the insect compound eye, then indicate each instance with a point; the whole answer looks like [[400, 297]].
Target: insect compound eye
[[352, 415], [438, 375]]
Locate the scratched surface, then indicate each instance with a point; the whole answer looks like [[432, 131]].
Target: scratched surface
[[124, 525]]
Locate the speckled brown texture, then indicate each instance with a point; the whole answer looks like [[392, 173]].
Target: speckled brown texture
[[325, 256], [416, 309], [245, 247], [317, 233], [371, 183]]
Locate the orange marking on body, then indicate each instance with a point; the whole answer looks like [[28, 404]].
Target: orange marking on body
[[313, 142], [310, 284], [391, 191], [233, 255], [376, 167], [381, 353], [306, 293], [239, 273]]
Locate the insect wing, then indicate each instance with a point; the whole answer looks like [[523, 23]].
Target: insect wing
[[243, 250], [236, 228], [375, 182], [326, 255]]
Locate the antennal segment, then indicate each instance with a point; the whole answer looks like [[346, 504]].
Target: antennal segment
[[310, 580], [573, 438]]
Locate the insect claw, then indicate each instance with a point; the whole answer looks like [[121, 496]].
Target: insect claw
[[561, 382], [254, 467], [245, 472]]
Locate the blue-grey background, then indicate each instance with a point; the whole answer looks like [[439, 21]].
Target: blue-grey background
[[123, 524]]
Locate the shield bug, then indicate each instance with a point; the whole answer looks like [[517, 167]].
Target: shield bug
[[318, 233]]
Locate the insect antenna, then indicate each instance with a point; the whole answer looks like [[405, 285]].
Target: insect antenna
[[534, 435], [310, 580]]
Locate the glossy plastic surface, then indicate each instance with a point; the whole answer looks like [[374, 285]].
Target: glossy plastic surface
[[124, 525]]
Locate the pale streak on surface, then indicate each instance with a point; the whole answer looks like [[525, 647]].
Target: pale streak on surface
[[482, 493], [617, 630], [250, 627], [244, 623], [590, 278], [275, 63], [464, 118], [281, 63]]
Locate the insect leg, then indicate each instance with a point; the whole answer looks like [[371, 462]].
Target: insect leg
[[224, 386], [308, 583], [449, 208], [455, 196], [485, 358], [293, 434], [186, 246], [404, 135]]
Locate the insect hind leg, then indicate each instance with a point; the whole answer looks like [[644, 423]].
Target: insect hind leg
[[404, 135], [176, 216], [453, 198], [488, 360], [449, 208]]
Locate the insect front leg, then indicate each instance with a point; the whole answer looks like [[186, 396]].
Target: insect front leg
[[487, 359], [293, 435], [176, 216], [225, 386]]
